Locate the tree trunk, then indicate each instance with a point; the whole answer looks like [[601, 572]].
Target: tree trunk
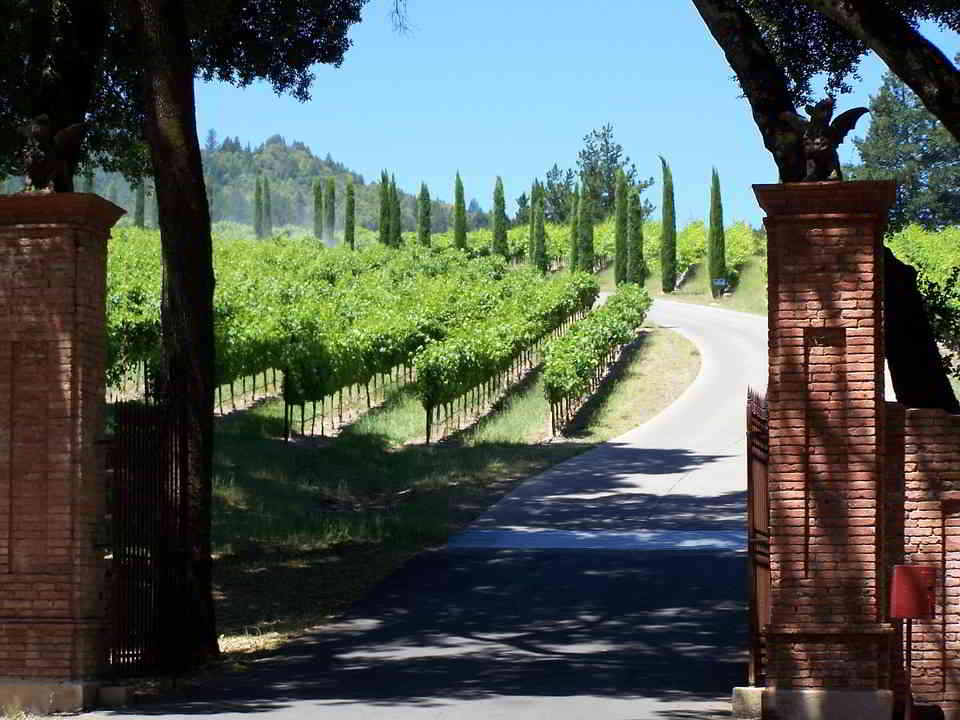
[[919, 377], [913, 58], [187, 310], [916, 368]]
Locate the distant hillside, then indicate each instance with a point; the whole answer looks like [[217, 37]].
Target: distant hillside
[[231, 169]]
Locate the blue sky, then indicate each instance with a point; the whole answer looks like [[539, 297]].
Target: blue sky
[[510, 87]]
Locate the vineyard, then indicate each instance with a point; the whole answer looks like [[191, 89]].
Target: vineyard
[[336, 322]]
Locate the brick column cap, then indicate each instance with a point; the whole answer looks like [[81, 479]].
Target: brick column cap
[[59, 208], [873, 197]]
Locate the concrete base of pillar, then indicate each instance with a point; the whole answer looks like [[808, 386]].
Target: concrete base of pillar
[[770, 703], [44, 697]]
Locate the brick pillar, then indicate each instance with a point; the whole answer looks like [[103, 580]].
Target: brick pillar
[[826, 405], [52, 358]]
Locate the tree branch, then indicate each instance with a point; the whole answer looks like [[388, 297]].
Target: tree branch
[[913, 58]]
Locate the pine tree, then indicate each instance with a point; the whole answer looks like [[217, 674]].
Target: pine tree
[[668, 233], [716, 243], [575, 230], [423, 216], [384, 208], [267, 209], [258, 209], [540, 239], [141, 202], [586, 231], [620, 229], [396, 224], [459, 215], [499, 243], [349, 217], [636, 265], [329, 207], [318, 210]]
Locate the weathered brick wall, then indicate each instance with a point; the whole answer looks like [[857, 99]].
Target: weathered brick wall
[[825, 398], [923, 517], [52, 358]]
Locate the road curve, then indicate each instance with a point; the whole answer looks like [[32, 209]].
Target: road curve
[[626, 492]]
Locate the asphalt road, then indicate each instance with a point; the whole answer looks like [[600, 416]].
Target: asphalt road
[[609, 587]]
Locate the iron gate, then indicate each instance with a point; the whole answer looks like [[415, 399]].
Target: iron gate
[[148, 508], [758, 531]]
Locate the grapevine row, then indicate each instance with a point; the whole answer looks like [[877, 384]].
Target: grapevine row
[[574, 364], [467, 365]]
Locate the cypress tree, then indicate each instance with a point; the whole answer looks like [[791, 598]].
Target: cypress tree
[[531, 222], [668, 233], [396, 225], [620, 230], [349, 214], [141, 202], [586, 232], [459, 215], [267, 210], [318, 210], [258, 209], [329, 205], [636, 266], [384, 208], [540, 239], [423, 216], [716, 242], [499, 243], [575, 230]]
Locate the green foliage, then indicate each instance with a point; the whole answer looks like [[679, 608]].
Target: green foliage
[[385, 209], [396, 227], [258, 210], [349, 218], [423, 216], [523, 210], [139, 212], [574, 242], [540, 239], [499, 245], [585, 253], [668, 233], [267, 209], [598, 163], [908, 144], [716, 247], [327, 319], [572, 361], [558, 194], [480, 350], [636, 266], [621, 251], [318, 210], [329, 206], [459, 215]]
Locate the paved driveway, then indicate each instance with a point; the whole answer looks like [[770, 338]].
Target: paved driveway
[[611, 586]]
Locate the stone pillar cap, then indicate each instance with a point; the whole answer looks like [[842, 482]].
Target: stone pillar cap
[[53, 208], [815, 198]]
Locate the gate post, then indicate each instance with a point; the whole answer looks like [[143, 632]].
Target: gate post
[[827, 640], [52, 360]]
